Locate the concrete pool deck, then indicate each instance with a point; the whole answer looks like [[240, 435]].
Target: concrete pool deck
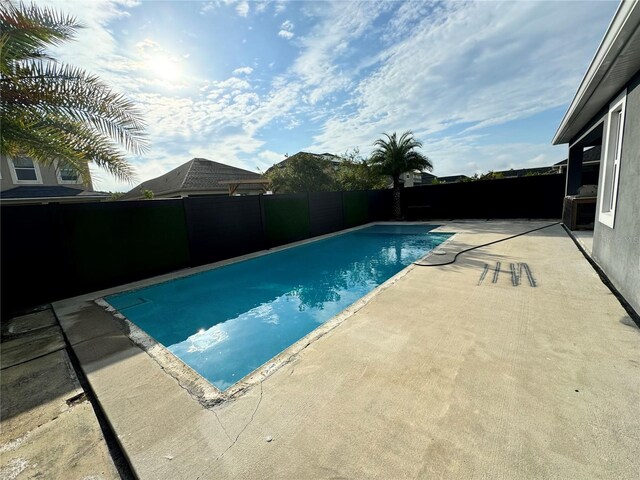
[[452, 372]]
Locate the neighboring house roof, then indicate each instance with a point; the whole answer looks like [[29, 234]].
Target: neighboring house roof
[[521, 172], [196, 175], [589, 156], [426, 178], [616, 61], [49, 193], [46, 191], [452, 178], [428, 175]]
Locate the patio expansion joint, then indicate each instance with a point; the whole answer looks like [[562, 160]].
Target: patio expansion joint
[[18, 441]]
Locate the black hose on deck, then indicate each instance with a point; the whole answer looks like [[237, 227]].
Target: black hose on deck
[[483, 245]]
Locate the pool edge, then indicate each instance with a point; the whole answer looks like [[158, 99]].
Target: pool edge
[[199, 388]]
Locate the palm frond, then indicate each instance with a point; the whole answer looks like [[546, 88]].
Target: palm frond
[[394, 156], [53, 112], [52, 89]]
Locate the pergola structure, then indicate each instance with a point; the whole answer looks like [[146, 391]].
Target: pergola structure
[[234, 184]]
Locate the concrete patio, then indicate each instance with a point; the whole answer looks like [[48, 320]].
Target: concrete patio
[[447, 372], [49, 428]]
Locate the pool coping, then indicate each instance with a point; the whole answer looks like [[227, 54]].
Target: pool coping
[[207, 394]]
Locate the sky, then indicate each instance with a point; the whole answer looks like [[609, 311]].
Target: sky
[[483, 85]]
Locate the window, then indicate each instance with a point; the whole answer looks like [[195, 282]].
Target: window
[[67, 174], [24, 170], [611, 157]]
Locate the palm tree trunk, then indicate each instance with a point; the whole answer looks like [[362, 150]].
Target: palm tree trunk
[[397, 206]]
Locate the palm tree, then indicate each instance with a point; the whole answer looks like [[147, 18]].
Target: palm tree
[[395, 156], [50, 111]]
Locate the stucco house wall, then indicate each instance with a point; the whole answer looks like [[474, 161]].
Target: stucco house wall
[[48, 176], [617, 249]]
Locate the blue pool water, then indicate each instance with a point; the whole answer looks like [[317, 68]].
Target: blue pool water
[[226, 322]]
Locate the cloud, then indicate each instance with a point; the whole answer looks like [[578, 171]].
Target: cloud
[[208, 7], [243, 71], [470, 65], [444, 70], [280, 7], [286, 30], [242, 8]]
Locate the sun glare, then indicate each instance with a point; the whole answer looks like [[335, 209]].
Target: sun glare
[[164, 68]]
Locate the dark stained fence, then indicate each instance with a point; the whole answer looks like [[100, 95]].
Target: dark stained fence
[[325, 212], [55, 251], [538, 196], [356, 208], [286, 218], [223, 227], [32, 270], [379, 205], [106, 244]]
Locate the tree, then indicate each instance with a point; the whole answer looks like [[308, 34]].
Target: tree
[[491, 175], [354, 173], [51, 111], [302, 173], [394, 156]]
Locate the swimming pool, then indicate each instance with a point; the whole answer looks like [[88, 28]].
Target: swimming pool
[[228, 321]]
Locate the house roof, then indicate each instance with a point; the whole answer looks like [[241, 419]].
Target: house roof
[[615, 62], [47, 191], [198, 174], [452, 178], [521, 172]]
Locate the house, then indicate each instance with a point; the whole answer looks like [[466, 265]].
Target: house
[[590, 165], [24, 181], [525, 172], [605, 113], [453, 179], [200, 176], [416, 179]]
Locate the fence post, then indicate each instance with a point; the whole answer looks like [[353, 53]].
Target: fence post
[[265, 242]]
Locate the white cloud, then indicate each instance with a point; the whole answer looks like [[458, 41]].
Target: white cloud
[[207, 7], [286, 30], [280, 7], [443, 70], [454, 155], [267, 158], [242, 8], [468, 64], [243, 71], [286, 34]]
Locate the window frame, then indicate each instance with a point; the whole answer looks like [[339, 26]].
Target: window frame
[[77, 181], [609, 155], [14, 174]]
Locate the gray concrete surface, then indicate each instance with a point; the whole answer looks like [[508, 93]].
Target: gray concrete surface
[[69, 447], [32, 344], [442, 375], [585, 238], [35, 392], [48, 429], [28, 323]]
